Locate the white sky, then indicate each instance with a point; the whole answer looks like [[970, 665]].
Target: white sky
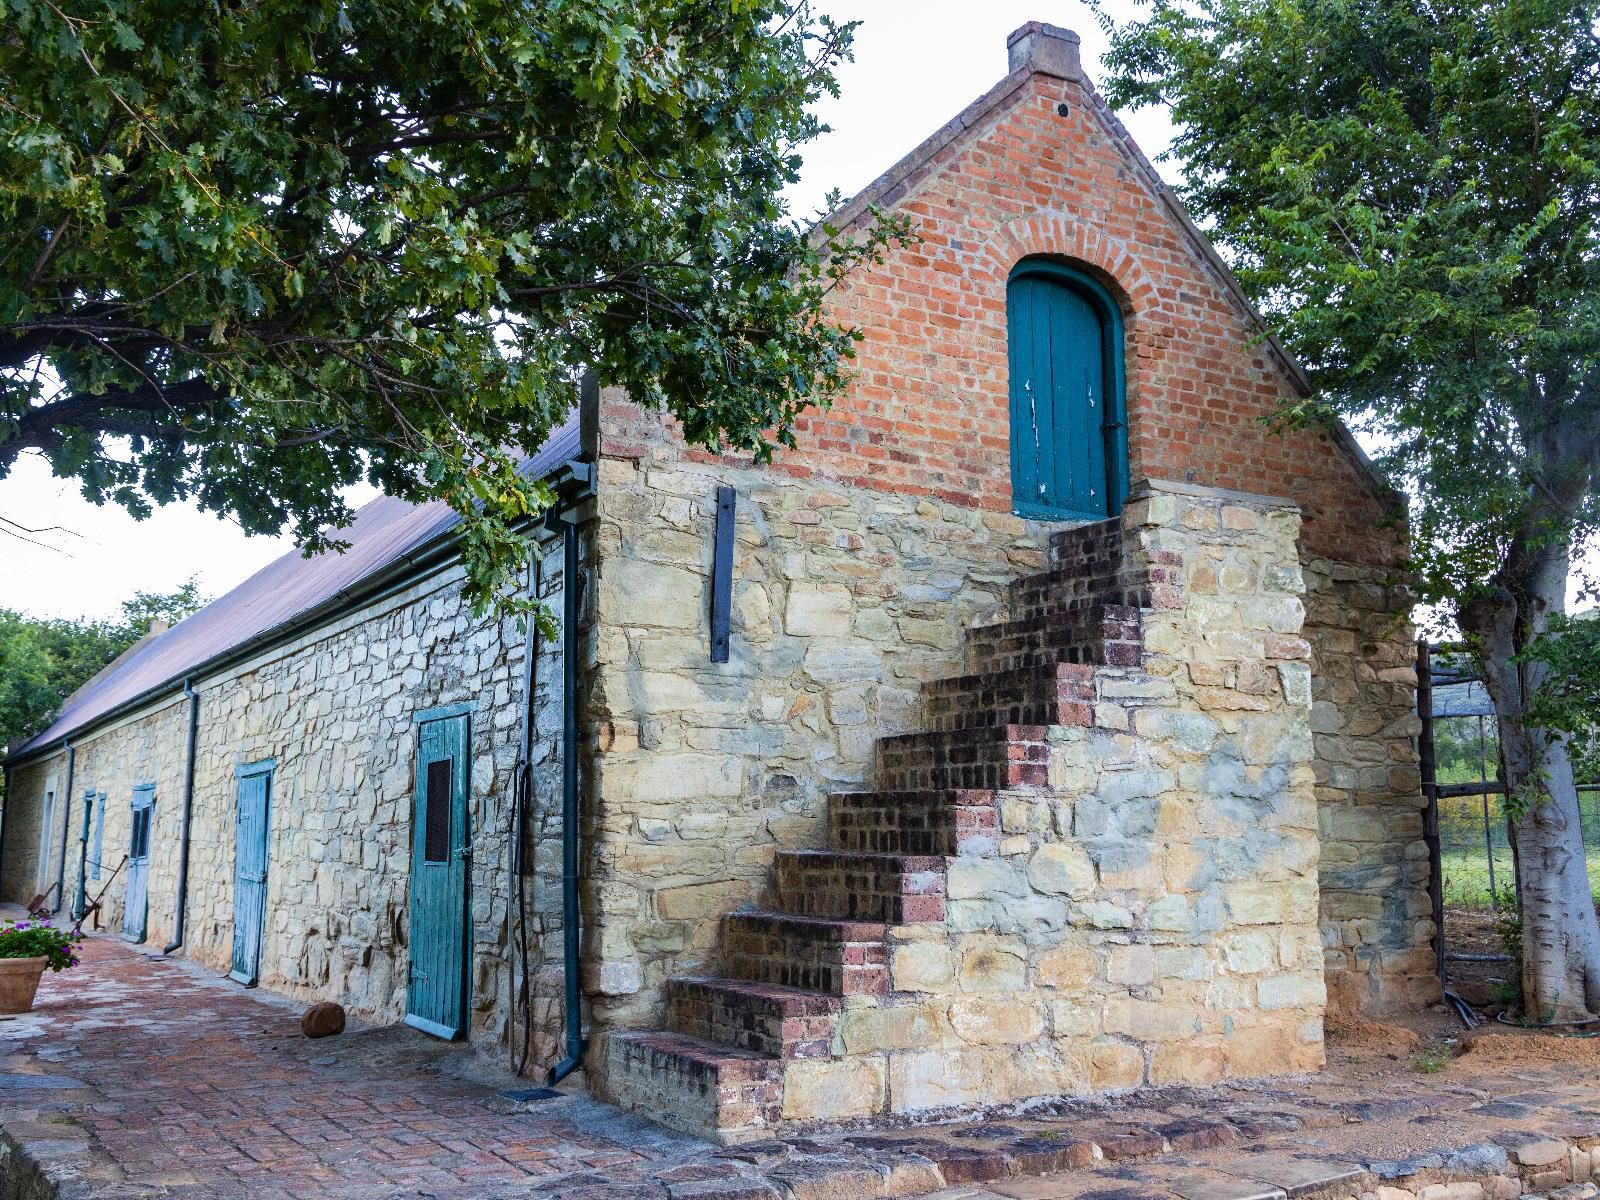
[[918, 63]]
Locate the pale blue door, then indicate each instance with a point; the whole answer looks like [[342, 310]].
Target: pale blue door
[[436, 989], [136, 898], [250, 870]]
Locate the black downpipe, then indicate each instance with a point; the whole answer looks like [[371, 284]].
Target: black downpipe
[[5, 810], [188, 818], [572, 1012], [66, 828], [522, 798], [83, 861]]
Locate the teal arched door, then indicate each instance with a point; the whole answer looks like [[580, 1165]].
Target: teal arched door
[[1069, 446]]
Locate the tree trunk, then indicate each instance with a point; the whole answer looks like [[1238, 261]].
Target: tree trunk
[[1560, 933]]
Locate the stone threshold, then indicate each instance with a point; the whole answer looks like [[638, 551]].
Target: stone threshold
[[1305, 1140]]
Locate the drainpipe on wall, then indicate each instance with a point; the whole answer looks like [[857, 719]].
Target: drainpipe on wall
[[572, 1010], [584, 475], [188, 818], [66, 826], [5, 811]]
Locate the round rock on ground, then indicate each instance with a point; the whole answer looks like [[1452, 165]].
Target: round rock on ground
[[322, 1020]]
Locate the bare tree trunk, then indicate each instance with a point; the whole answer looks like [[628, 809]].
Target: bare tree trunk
[[1560, 933]]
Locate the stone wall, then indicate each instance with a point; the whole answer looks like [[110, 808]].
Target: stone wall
[[335, 710], [146, 749], [1376, 915], [1092, 866], [1150, 914], [844, 601]]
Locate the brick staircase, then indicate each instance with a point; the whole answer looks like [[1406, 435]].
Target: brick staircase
[[718, 1068]]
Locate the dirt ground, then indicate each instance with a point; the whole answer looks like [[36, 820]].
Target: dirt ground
[[1435, 1042]]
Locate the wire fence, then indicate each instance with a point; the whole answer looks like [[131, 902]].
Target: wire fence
[[1474, 846]]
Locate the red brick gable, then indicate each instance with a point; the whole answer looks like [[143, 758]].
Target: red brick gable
[[1016, 175], [930, 409]]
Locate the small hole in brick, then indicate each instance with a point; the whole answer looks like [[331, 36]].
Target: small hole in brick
[[1063, 109]]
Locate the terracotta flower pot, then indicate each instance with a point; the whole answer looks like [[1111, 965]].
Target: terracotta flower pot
[[19, 980]]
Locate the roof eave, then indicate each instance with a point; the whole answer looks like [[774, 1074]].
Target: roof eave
[[414, 565]]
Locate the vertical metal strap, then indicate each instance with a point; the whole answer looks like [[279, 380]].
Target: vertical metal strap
[[722, 576], [1430, 792]]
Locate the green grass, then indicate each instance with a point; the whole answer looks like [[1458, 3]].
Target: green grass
[[1466, 874]]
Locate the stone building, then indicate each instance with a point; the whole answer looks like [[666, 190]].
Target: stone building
[[1043, 724]]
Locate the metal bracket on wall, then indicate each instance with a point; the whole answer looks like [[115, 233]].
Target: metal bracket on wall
[[722, 575]]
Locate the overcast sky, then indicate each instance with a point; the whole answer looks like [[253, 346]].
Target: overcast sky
[[917, 65]]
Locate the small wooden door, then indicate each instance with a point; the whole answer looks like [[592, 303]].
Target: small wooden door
[[436, 990], [250, 871], [1068, 457], [136, 899]]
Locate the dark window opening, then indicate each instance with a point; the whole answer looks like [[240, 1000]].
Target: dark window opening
[[436, 841]]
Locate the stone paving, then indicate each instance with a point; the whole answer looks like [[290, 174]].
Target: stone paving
[[138, 1076]]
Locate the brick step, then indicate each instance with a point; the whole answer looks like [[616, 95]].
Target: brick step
[[1063, 593], [1053, 694], [1104, 635], [760, 1018], [1093, 548], [840, 958], [898, 889], [920, 822], [686, 1083], [999, 757]]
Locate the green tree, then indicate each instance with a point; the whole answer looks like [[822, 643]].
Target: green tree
[[1569, 702], [45, 660], [255, 252], [1410, 190]]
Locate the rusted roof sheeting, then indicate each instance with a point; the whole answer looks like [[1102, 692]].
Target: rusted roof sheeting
[[272, 599]]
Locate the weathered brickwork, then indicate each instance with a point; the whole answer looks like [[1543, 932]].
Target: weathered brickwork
[[1377, 919], [1121, 891], [929, 412], [335, 711]]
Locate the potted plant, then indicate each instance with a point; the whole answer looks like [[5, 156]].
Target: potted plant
[[26, 948]]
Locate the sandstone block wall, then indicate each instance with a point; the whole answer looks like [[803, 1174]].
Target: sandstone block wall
[[1149, 915], [1376, 916], [844, 601], [335, 710], [1125, 891]]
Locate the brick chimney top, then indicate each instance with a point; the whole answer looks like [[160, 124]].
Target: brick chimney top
[[1048, 49]]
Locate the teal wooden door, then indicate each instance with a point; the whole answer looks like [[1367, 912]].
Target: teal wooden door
[[1068, 457], [436, 989], [250, 871], [136, 899]]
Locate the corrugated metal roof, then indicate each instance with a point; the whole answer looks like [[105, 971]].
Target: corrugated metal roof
[[272, 599]]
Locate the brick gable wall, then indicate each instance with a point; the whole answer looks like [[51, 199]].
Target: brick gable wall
[[929, 412]]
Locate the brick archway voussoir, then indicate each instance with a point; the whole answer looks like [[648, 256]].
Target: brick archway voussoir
[[1053, 232]]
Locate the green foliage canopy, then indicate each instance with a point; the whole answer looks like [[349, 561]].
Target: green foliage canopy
[[1569, 702], [1411, 191], [45, 660], [255, 252]]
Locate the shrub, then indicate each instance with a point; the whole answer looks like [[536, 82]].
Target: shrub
[[39, 939]]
